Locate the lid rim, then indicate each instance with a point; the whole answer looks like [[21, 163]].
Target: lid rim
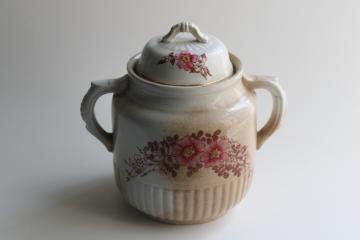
[[235, 61]]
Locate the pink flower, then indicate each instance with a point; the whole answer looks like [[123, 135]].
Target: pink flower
[[186, 60], [216, 151], [188, 151]]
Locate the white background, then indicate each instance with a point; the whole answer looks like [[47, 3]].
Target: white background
[[56, 179]]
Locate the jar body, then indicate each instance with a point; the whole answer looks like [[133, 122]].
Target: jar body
[[184, 155]]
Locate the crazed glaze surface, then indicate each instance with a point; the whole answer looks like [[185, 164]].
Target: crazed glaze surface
[[146, 115], [193, 152]]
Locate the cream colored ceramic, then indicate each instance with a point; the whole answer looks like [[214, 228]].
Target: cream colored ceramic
[[186, 50], [184, 143]]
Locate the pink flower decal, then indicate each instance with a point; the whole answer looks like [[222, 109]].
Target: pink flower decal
[[188, 61], [193, 152], [187, 151], [216, 151]]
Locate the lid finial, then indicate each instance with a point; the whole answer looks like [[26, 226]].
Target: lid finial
[[184, 27]]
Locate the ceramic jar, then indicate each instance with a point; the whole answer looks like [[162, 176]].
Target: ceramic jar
[[184, 126]]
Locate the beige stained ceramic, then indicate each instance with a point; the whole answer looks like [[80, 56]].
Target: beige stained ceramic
[[185, 134]]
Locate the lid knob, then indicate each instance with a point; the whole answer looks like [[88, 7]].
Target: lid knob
[[184, 27]]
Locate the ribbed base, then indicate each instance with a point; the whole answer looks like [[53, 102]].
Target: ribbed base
[[187, 206]]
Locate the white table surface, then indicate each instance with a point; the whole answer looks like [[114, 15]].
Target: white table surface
[[56, 180]]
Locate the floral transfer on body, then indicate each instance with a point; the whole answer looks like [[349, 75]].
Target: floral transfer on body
[[188, 61], [199, 150]]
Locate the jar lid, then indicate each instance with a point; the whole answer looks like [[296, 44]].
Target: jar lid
[[184, 57]]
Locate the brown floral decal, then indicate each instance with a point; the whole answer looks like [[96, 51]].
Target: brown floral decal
[[199, 150], [188, 61]]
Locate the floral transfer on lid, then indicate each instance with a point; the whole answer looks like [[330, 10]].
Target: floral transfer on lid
[[188, 61]]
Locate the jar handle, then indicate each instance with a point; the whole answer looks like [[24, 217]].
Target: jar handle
[[97, 89], [253, 82], [184, 27]]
